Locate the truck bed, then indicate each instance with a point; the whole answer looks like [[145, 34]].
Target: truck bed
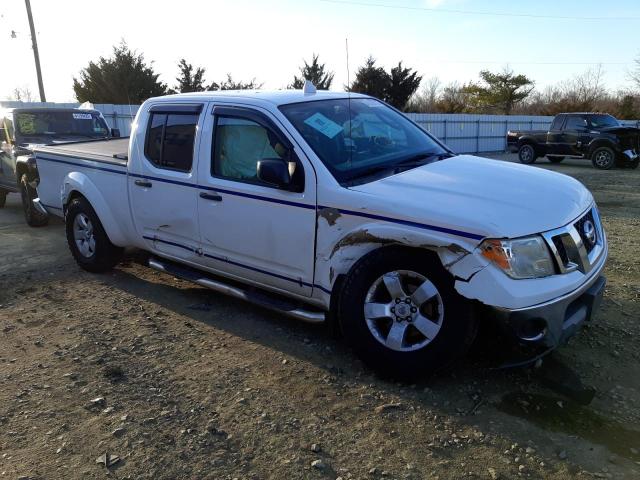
[[114, 151]]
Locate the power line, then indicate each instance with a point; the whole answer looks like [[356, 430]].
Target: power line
[[474, 12], [526, 63]]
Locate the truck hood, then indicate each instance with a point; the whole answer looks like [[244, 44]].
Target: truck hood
[[622, 130], [480, 196]]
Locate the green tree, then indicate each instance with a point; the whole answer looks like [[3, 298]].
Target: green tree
[[403, 84], [371, 80], [189, 81], [231, 84], [121, 79], [316, 73], [499, 91]]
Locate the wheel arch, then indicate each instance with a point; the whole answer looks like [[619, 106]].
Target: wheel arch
[[78, 185], [602, 142], [335, 261]]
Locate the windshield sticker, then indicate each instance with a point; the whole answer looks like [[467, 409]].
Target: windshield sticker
[[323, 125], [82, 116]]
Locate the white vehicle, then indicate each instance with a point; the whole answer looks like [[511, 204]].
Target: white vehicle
[[336, 208]]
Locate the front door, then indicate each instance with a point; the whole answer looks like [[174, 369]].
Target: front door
[[251, 230], [163, 185]]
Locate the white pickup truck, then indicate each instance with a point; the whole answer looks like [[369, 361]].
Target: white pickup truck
[[336, 208]]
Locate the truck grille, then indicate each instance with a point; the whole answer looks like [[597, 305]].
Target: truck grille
[[586, 228], [579, 245]]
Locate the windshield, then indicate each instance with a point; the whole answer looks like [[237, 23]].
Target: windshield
[[602, 121], [376, 138], [60, 124]]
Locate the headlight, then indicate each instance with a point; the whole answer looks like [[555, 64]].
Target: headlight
[[520, 258]]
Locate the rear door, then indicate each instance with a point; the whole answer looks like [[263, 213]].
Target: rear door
[[554, 136], [162, 184], [575, 135], [248, 229]]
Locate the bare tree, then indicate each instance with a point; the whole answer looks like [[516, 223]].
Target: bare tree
[[453, 99], [634, 75], [426, 99], [21, 94], [584, 91]]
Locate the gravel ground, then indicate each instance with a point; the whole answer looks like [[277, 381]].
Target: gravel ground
[[136, 375]]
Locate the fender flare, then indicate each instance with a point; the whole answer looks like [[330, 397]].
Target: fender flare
[[79, 183]]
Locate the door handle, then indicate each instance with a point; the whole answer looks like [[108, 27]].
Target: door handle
[[143, 183], [211, 196]]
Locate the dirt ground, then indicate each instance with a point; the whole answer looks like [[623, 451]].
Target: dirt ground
[[173, 381]]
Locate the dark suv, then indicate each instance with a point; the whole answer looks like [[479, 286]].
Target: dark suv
[[22, 129]]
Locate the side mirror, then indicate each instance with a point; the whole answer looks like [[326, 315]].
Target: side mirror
[[274, 171], [115, 132]]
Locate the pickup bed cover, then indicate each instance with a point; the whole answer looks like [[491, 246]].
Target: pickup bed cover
[[114, 151]]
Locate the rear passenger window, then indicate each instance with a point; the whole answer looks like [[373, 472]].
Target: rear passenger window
[[576, 123], [557, 123], [170, 140]]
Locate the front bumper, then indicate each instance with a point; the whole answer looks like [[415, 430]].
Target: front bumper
[[553, 323]]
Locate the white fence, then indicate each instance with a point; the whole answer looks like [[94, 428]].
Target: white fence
[[467, 133], [463, 133]]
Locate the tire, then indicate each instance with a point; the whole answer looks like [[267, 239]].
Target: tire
[[3, 198], [554, 158], [632, 164], [527, 154], [452, 325], [87, 240], [603, 158], [33, 217]]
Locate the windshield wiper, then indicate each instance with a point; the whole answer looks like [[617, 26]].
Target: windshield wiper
[[421, 159], [411, 162]]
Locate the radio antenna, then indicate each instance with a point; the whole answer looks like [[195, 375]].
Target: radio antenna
[[346, 43]]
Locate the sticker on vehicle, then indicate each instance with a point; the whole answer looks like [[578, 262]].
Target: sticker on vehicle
[[82, 116], [324, 125]]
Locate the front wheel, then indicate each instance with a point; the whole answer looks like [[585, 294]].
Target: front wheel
[[527, 154], [33, 217], [3, 198], [399, 311], [87, 240], [603, 158]]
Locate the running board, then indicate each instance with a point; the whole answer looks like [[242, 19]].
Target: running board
[[255, 296]]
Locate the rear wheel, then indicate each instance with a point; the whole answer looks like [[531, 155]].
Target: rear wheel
[[33, 217], [555, 158], [399, 311], [87, 240], [3, 198], [527, 154], [603, 158]]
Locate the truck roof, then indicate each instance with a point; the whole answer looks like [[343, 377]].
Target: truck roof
[[276, 97]]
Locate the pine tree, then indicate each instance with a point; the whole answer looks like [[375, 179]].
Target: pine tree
[[314, 72]]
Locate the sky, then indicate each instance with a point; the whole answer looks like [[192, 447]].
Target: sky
[[268, 39]]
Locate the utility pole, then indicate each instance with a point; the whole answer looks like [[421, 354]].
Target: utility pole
[[36, 56]]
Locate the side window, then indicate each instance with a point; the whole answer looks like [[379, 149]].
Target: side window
[[576, 123], [239, 144], [170, 140], [557, 122]]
